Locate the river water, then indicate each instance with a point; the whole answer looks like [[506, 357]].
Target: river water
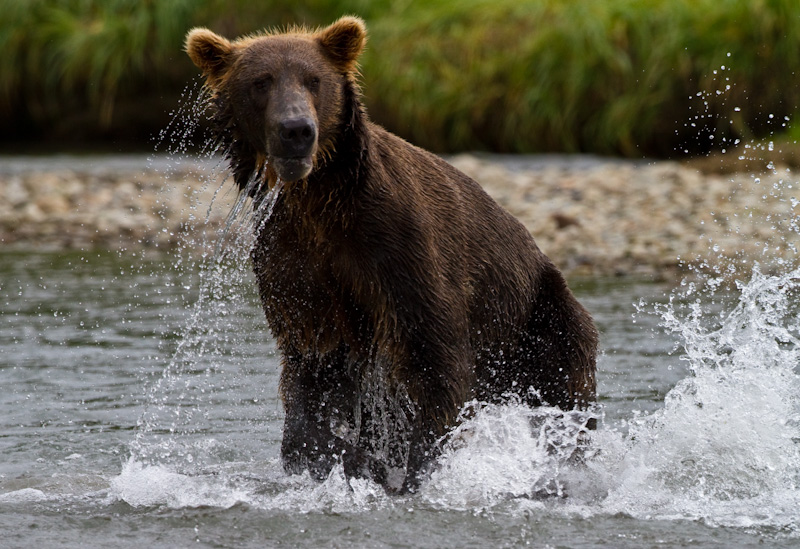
[[138, 408]]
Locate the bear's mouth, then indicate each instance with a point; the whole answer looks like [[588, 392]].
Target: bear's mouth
[[293, 168]]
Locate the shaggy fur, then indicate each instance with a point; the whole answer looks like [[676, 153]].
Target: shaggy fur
[[396, 288]]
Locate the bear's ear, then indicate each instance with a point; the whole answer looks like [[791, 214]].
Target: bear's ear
[[210, 52], [343, 41]]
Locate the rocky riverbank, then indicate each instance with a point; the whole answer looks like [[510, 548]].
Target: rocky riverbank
[[73, 203], [591, 216]]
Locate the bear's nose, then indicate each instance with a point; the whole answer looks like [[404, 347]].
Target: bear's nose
[[297, 136]]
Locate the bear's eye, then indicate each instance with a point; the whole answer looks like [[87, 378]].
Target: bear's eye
[[262, 84], [313, 84]]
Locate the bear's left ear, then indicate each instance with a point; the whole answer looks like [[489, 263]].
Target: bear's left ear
[[210, 52], [343, 41]]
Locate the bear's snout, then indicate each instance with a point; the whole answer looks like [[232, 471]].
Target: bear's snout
[[298, 136], [293, 156]]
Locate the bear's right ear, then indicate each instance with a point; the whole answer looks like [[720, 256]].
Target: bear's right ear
[[343, 41], [210, 52]]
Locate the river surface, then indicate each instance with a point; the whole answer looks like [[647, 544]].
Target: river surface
[[139, 408]]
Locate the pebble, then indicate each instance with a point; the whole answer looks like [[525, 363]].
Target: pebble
[[603, 218]]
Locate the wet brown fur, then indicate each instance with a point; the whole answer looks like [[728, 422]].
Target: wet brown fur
[[387, 259]]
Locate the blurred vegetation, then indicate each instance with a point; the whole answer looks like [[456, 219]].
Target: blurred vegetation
[[631, 77]]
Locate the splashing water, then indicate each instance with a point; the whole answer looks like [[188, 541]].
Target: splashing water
[[249, 215], [179, 403], [179, 398], [726, 446], [508, 451]]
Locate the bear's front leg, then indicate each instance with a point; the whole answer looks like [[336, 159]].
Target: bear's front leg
[[320, 396], [413, 287], [438, 380]]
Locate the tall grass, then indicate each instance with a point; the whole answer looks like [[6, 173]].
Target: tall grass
[[86, 51], [611, 76], [570, 75]]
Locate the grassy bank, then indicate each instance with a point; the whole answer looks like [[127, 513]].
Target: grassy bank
[[612, 77]]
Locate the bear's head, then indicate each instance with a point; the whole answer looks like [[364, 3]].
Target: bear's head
[[284, 93]]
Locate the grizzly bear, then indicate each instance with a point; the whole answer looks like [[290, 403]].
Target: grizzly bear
[[396, 288]]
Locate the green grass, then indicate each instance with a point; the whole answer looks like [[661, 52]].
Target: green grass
[[571, 75], [611, 76], [81, 49]]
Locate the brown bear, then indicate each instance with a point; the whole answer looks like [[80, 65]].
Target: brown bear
[[396, 288]]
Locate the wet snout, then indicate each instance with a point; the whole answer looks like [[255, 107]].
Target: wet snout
[[293, 132], [298, 137]]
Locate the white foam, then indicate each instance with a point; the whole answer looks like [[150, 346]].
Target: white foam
[[504, 452], [726, 446], [24, 495], [156, 485]]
